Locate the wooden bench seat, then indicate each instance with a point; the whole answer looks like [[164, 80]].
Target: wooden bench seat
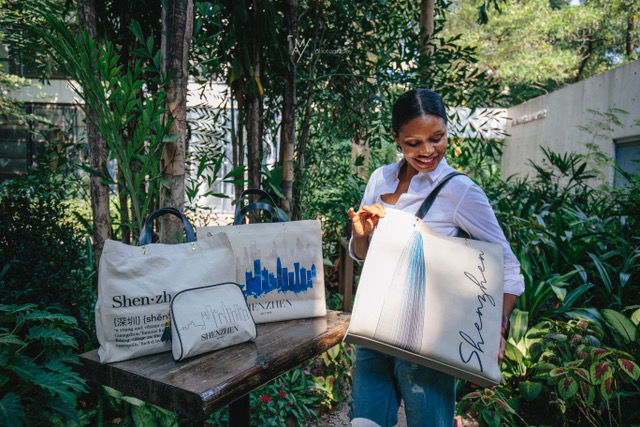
[[203, 384]]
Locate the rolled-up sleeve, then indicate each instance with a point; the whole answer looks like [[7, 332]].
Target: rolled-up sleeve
[[475, 215]]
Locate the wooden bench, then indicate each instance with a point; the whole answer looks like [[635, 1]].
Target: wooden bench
[[203, 384]]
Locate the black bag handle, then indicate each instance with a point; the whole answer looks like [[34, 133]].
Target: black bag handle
[[145, 234], [426, 205], [276, 215]]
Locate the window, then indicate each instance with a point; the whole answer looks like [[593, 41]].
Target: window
[[21, 142], [627, 159]]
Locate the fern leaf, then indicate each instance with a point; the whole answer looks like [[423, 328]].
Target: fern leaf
[[54, 335], [11, 410], [61, 407], [52, 317]]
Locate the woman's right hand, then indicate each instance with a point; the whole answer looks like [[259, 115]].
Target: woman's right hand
[[365, 219]]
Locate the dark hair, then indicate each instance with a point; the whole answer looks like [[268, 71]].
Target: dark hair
[[416, 102]]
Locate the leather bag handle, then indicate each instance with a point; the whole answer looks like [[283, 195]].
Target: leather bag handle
[[426, 205], [276, 215], [145, 234]]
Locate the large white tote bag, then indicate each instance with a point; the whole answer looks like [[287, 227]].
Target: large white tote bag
[[278, 264], [136, 285], [431, 299]]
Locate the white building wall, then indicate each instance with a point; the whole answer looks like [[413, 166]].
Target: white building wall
[[552, 120]]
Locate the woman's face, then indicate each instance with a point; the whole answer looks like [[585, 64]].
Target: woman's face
[[423, 141]]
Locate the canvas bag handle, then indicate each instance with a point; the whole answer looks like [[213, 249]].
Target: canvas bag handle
[[145, 234], [276, 215]]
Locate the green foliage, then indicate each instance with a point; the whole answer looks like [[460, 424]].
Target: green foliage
[[579, 250], [536, 46], [291, 395], [335, 373], [296, 395], [131, 121], [492, 408], [585, 374], [20, 23], [37, 352], [566, 366], [43, 259], [207, 158], [575, 247], [131, 411]]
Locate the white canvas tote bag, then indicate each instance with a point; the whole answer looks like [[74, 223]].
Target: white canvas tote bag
[[136, 285], [278, 264], [209, 318], [431, 299]]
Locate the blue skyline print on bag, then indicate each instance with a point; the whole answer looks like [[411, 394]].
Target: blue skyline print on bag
[[298, 275], [401, 320]]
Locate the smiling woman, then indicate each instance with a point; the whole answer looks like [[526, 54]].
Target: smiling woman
[[381, 381]]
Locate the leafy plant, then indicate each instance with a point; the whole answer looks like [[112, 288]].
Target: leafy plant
[[491, 406], [132, 411], [132, 123], [43, 258], [291, 395], [335, 373], [37, 352], [587, 376]]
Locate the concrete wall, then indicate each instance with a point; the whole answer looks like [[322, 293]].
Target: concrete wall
[[552, 120]]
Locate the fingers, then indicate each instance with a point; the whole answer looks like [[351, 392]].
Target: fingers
[[503, 347], [366, 219], [373, 210]]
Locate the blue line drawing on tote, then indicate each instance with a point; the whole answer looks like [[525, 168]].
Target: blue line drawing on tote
[[214, 319], [262, 281], [401, 320]]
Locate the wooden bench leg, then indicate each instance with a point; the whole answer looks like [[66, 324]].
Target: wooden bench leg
[[345, 274], [240, 412]]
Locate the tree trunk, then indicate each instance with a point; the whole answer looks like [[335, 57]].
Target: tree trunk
[[253, 102], [177, 30], [302, 144], [237, 147], [426, 25], [97, 151], [585, 59], [629, 45], [288, 127]]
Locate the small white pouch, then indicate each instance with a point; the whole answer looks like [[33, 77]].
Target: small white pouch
[[209, 318]]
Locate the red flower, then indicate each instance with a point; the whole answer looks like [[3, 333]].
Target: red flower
[[290, 403], [282, 393], [265, 398]]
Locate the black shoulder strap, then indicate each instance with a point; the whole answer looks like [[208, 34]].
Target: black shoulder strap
[[426, 205]]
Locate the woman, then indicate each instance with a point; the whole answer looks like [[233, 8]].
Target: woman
[[380, 382]]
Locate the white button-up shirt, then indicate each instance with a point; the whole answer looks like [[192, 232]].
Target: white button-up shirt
[[461, 204]]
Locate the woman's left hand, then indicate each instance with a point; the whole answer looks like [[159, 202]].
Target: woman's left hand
[[503, 347]]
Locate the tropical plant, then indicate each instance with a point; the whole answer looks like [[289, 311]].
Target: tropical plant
[[38, 385], [43, 256], [492, 407], [565, 366], [587, 375], [536, 46], [128, 410], [119, 100]]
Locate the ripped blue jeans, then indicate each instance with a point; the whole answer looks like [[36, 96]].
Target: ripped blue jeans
[[380, 382]]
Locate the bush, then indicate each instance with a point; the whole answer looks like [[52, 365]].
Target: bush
[[37, 351], [43, 259]]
